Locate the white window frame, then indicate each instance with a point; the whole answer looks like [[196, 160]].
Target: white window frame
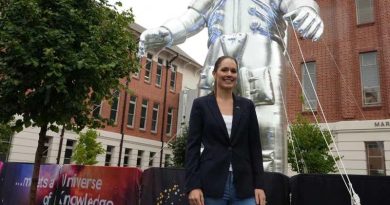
[[151, 158], [144, 118], [47, 147], [115, 95], [156, 109], [135, 75], [375, 90], [159, 69], [109, 153], [140, 155], [126, 163], [380, 145], [71, 148], [168, 130], [132, 102], [360, 11], [148, 67], [173, 77], [95, 107], [312, 69], [167, 159]]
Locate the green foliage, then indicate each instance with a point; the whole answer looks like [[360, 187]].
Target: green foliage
[[178, 147], [87, 148], [58, 57], [310, 148], [6, 134]]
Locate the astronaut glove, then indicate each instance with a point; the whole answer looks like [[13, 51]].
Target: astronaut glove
[[153, 39], [307, 22]]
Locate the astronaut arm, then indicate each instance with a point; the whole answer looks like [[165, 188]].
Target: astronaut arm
[[287, 6], [177, 30], [187, 25]]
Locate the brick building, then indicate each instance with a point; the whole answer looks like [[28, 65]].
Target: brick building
[[350, 70], [144, 118]]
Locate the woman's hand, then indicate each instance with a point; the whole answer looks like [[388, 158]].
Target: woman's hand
[[196, 197], [260, 197]]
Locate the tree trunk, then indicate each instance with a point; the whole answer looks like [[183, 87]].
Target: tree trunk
[[37, 164]]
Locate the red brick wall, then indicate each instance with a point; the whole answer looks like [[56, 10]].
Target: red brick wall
[[154, 94], [337, 62]]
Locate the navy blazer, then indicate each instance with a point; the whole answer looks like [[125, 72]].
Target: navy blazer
[[209, 171]]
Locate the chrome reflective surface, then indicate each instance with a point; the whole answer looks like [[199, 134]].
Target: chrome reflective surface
[[254, 32]]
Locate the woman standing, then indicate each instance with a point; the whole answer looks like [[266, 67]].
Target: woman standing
[[230, 168]]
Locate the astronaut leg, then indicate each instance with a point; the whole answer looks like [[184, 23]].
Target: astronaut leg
[[272, 122], [261, 80], [206, 81], [262, 86]]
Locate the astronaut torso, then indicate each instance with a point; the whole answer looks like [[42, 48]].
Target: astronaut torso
[[261, 17]]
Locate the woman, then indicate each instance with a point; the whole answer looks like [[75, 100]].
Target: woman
[[230, 168]]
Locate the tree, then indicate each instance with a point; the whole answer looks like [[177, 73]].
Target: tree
[[307, 149], [58, 57], [6, 134], [87, 148], [178, 147]]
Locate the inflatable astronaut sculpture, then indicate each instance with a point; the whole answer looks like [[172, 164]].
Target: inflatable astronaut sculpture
[[254, 32]]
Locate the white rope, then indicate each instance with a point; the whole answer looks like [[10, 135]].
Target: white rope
[[349, 185], [344, 80], [350, 188], [291, 138]]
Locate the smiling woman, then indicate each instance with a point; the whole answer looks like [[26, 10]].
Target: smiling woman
[[227, 127], [225, 74]]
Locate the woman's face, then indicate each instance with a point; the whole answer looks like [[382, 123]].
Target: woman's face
[[226, 74]]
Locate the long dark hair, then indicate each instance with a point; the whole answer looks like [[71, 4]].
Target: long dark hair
[[217, 65]]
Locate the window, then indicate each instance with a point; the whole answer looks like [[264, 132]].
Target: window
[[68, 151], [151, 158], [148, 67], [364, 11], [131, 114], [109, 153], [144, 112], [156, 107], [136, 74], [167, 160], [370, 79], [159, 72], [139, 158], [96, 109], [127, 157], [5, 142], [114, 106], [309, 89], [169, 121], [375, 158], [46, 149], [172, 84]]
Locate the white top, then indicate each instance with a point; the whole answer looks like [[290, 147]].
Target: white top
[[228, 121]]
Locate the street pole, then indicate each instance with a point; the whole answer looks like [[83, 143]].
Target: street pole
[[168, 63], [60, 146]]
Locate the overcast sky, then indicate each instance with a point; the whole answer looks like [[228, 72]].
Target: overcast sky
[[153, 13]]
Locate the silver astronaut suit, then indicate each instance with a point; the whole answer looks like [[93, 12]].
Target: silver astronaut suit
[[254, 32]]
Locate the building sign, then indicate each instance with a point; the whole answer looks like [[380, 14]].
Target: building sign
[[70, 185], [382, 124]]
